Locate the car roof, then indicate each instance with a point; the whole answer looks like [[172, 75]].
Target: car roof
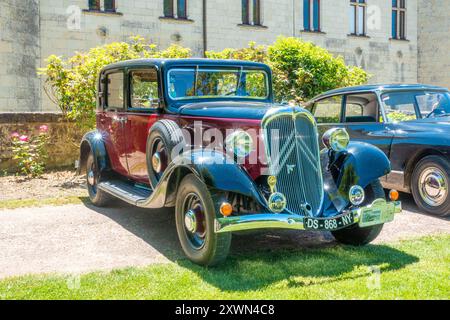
[[380, 88], [185, 62]]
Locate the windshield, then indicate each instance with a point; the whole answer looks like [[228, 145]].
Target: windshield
[[194, 83], [411, 105]]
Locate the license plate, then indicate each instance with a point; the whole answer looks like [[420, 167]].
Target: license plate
[[329, 224], [370, 217]]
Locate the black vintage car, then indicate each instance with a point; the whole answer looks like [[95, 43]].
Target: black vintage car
[[410, 123], [205, 137]]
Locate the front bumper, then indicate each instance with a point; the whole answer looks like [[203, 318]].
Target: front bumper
[[378, 212]]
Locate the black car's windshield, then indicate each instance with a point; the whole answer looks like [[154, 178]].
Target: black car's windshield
[[411, 105], [195, 83]]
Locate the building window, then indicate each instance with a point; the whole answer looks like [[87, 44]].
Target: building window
[[399, 19], [311, 15], [251, 12], [358, 17], [108, 5], [181, 10], [94, 5]]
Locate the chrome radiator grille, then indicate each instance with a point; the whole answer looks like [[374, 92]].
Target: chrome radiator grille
[[292, 148]]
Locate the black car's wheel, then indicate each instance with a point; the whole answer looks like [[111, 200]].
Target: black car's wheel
[[430, 185], [164, 136], [355, 235], [195, 214], [97, 197]]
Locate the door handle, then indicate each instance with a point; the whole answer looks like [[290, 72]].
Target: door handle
[[120, 119]]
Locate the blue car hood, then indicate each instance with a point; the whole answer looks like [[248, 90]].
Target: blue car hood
[[227, 109]]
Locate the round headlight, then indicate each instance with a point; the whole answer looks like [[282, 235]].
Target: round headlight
[[336, 139], [240, 143], [356, 195]]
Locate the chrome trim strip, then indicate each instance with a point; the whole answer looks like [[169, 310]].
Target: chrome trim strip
[[294, 221]]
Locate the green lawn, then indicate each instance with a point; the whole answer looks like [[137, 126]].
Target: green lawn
[[414, 269]]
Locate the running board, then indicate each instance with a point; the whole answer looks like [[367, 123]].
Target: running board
[[135, 195], [125, 191]]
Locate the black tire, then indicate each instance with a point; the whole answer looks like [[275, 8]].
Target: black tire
[[428, 168], [355, 235], [98, 198], [164, 136], [204, 246]]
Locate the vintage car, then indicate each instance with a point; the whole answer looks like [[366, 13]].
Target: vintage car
[[204, 137], [410, 123]]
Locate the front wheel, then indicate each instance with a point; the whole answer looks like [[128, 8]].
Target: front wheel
[[195, 214], [355, 235]]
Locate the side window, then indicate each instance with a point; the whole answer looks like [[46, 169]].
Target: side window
[[328, 110], [362, 108], [144, 89], [399, 106], [114, 97]]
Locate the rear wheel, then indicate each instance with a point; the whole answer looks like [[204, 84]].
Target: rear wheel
[[195, 215], [97, 197], [355, 235], [430, 185]]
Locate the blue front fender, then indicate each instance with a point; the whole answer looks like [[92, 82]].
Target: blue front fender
[[92, 142], [363, 163], [218, 171]]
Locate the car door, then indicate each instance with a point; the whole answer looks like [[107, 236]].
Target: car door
[[143, 101], [363, 119], [112, 120]]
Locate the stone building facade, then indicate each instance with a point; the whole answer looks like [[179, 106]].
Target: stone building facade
[[434, 39], [31, 30]]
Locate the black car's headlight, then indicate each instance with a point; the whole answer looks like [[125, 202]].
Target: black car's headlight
[[336, 139], [240, 143]]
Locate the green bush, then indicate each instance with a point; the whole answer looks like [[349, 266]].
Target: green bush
[[301, 69], [71, 83]]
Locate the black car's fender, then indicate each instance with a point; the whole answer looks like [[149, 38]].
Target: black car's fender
[[92, 142]]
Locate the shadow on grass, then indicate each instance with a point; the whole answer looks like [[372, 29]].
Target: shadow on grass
[[301, 267], [262, 258]]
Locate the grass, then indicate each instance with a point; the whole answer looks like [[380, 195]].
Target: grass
[[25, 203], [413, 269]]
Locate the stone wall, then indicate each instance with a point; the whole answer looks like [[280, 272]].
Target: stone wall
[[20, 88], [434, 42], [64, 137]]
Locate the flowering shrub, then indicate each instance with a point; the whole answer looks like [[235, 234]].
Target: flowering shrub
[[30, 152]]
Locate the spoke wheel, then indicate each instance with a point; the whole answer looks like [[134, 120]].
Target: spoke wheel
[[194, 221], [195, 214]]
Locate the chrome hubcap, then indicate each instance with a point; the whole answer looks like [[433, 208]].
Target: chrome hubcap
[[156, 162], [91, 178], [190, 221], [433, 186]]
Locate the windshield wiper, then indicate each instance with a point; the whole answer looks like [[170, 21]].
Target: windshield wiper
[[442, 115]]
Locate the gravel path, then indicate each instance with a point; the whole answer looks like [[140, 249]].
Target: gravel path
[[79, 238]]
